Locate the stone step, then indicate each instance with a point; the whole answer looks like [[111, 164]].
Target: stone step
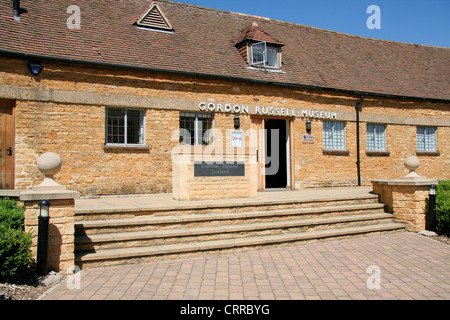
[[91, 227], [133, 254], [111, 213], [131, 232], [170, 236]]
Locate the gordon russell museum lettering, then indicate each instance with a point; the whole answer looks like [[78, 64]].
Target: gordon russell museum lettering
[[319, 114], [270, 111]]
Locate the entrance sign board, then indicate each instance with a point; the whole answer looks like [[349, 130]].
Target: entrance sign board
[[204, 169]]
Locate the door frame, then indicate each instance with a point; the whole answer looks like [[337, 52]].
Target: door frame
[[258, 124], [7, 167]]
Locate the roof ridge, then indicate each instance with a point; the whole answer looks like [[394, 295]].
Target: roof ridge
[[214, 9], [297, 24]]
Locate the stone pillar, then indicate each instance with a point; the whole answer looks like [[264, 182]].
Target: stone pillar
[[60, 253], [406, 196]]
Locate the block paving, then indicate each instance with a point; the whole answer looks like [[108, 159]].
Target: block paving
[[412, 267]]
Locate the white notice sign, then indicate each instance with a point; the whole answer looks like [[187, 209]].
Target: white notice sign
[[308, 138], [237, 139]]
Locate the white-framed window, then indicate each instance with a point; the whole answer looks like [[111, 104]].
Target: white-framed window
[[196, 128], [426, 139], [125, 126], [376, 137], [264, 55], [334, 135]]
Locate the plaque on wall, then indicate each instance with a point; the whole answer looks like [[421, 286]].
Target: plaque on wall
[[308, 138], [221, 169]]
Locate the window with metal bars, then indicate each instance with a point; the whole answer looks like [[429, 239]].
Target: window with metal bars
[[124, 127], [334, 135], [196, 128], [376, 137], [426, 139]]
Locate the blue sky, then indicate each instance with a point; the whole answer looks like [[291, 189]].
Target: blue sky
[[414, 21]]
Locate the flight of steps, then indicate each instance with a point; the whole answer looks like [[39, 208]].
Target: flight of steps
[[127, 236]]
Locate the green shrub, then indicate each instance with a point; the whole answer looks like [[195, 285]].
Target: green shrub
[[443, 207], [16, 259], [11, 214], [444, 185]]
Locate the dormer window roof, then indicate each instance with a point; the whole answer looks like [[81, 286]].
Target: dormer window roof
[[155, 19], [256, 34]]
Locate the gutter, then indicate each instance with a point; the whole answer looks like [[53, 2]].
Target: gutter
[[26, 56]]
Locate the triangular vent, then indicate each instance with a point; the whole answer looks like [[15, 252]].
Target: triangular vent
[[155, 19]]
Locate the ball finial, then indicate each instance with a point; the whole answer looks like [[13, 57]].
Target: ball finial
[[412, 163], [49, 164]]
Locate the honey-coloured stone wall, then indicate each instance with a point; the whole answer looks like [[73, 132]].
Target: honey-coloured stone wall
[[77, 134], [63, 111]]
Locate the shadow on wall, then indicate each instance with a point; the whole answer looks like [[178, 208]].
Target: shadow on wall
[[54, 248]]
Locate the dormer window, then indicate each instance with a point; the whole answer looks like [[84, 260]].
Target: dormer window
[[259, 49], [264, 55]]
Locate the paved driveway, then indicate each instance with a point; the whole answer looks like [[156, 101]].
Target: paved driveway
[[393, 266]]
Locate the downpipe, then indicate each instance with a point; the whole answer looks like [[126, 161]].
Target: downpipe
[[358, 109]]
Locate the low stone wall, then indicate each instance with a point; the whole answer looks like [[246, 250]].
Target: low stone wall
[[188, 186], [61, 231], [61, 216], [406, 196], [406, 202]]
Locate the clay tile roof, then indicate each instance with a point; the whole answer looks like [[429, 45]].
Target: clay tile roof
[[203, 43]]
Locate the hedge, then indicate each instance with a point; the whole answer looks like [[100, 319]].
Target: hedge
[[16, 259], [443, 207]]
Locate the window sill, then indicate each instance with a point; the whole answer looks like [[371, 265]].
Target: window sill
[[336, 152], [373, 153], [113, 147], [266, 69], [428, 153]]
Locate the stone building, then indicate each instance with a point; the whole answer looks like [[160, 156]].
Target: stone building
[[115, 87]]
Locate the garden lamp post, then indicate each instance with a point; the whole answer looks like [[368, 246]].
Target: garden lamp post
[[44, 217], [432, 209]]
